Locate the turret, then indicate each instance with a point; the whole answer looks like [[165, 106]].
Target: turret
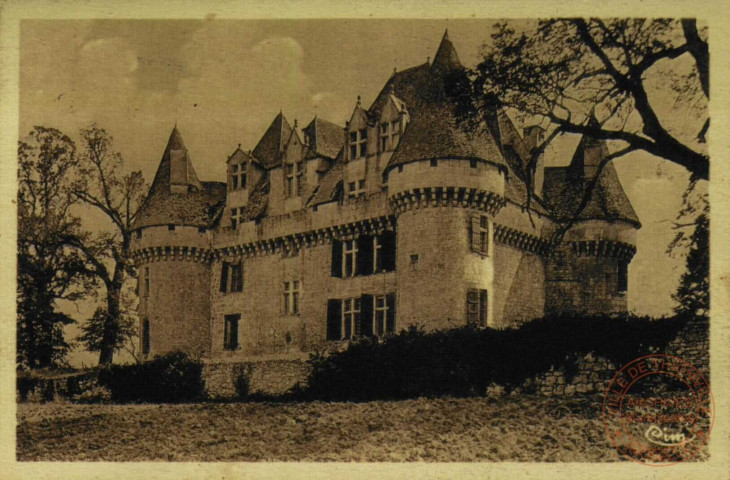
[[589, 271], [171, 247], [445, 185]]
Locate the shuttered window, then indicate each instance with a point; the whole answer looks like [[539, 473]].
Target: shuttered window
[[480, 234], [365, 255], [477, 304], [231, 277]]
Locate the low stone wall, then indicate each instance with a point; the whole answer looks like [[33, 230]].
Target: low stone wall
[[267, 377], [593, 374], [31, 388]]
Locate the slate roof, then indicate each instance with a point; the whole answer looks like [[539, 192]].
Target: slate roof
[[198, 207], [258, 200], [326, 139], [268, 150], [330, 187], [564, 186], [433, 130]]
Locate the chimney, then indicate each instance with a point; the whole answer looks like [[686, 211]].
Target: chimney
[[592, 155]]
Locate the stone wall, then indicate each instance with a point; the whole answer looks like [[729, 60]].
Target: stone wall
[[594, 373], [30, 388], [267, 377]]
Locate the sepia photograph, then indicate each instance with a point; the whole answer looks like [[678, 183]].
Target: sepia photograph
[[463, 240]]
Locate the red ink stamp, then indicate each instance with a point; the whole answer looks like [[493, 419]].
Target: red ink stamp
[[658, 410]]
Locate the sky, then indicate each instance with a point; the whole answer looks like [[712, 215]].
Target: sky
[[223, 81]]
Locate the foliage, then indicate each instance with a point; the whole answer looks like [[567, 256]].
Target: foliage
[[93, 331], [49, 269], [567, 71], [693, 293], [171, 378], [465, 361]]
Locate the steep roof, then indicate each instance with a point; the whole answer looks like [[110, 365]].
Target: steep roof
[[326, 139], [446, 57], [433, 130], [435, 133], [268, 150], [193, 203], [564, 187]]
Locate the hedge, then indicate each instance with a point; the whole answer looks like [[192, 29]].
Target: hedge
[[171, 378], [465, 361]]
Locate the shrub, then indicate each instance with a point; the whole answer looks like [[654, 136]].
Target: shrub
[[465, 361], [171, 378]]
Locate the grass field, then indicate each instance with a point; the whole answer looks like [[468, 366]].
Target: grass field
[[433, 430]]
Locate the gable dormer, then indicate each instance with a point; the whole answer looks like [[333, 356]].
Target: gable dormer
[[293, 163], [392, 123], [237, 168], [357, 133]]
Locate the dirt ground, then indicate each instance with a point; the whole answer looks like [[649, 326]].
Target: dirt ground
[[433, 430]]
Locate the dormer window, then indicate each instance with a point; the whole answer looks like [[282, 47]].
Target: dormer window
[[356, 189], [358, 142], [294, 173], [236, 217], [238, 176], [389, 135]]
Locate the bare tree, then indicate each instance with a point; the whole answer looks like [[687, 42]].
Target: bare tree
[[564, 71], [102, 185]]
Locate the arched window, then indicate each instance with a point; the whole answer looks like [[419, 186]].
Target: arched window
[[145, 336]]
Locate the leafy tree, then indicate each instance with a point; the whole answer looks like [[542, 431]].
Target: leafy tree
[[599, 78], [49, 270], [693, 294], [103, 186], [93, 332]]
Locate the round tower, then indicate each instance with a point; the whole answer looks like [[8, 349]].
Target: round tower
[[588, 271], [171, 247], [445, 211]]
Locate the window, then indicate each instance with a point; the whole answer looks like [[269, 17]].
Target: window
[[294, 174], [201, 229], [358, 141], [139, 234], [623, 276], [365, 255], [384, 314], [356, 189], [146, 282], [472, 163], [434, 162], [236, 217], [362, 316], [171, 228], [291, 297], [231, 277], [480, 234], [349, 258], [476, 307], [230, 332], [145, 336], [238, 176], [389, 135], [351, 317]]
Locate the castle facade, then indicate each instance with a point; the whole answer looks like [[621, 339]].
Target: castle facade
[[401, 217]]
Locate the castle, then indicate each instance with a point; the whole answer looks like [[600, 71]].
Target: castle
[[402, 217]]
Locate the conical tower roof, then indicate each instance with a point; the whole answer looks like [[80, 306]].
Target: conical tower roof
[[446, 57], [176, 172], [177, 196]]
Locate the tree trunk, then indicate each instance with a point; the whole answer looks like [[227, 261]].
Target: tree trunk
[[111, 323]]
